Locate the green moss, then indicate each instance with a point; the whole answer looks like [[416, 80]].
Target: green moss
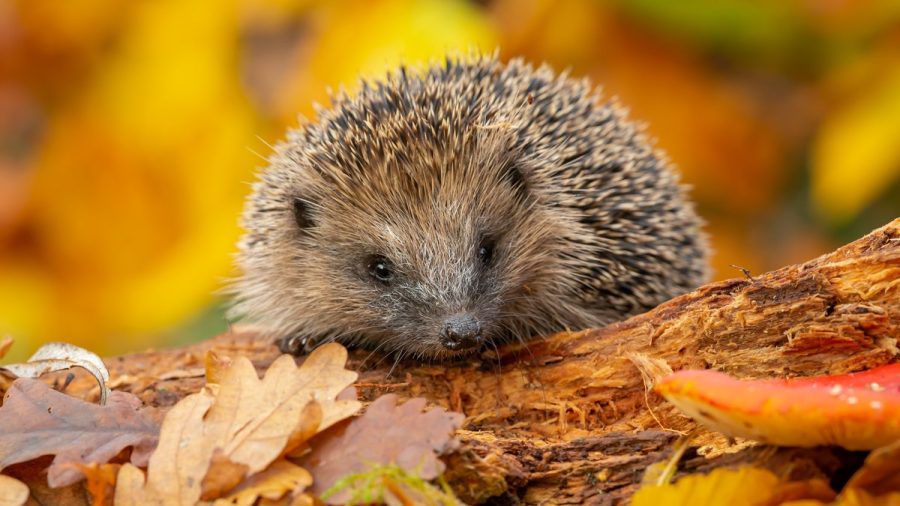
[[370, 486]]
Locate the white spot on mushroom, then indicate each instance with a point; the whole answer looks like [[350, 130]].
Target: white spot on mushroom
[[852, 400], [876, 387], [835, 390], [876, 405]]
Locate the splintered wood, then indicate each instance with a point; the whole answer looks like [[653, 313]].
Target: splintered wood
[[568, 418]]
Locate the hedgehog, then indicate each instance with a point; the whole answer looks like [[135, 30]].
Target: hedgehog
[[466, 204]]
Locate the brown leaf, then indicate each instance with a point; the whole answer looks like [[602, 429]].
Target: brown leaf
[[386, 434], [60, 356], [178, 465], [12, 492], [38, 420], [34, 475], [223, 475], [310, 425], [215, 366], [101, 482], [132, 490], [252, 419], [881, 473], [273, 483], [249, 421]]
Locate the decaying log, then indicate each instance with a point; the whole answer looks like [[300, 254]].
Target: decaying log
[[567, 419]]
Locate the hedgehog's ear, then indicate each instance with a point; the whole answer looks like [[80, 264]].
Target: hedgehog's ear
[[302, 213], [516, 176]]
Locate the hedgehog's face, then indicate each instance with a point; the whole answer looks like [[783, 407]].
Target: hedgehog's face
[[432, 269]]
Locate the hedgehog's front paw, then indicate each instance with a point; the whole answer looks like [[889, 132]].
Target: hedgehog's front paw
[[297, 344]]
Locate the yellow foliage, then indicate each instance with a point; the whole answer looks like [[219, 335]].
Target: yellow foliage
[[856, 155], [745, 486]]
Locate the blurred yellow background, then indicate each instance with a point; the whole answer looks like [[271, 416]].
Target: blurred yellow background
[[130, 129]]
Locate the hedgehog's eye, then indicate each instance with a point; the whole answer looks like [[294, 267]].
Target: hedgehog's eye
[[486, 252], [381, 269]]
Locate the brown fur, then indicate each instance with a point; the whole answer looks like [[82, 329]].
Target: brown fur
[[589, 223]]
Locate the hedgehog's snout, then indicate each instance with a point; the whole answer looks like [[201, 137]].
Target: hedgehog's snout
[[460, 332]]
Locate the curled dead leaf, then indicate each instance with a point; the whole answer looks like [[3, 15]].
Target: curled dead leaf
[[60, 356]]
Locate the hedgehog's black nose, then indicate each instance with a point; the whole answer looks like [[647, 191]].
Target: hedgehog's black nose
[[460, 332]]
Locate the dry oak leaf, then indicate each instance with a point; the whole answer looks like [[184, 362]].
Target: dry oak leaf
[[252, 420], [387, 433], [248, 421], [38, 420], [273, 483], [178, 465], [858, 411], [221, 477], [12, 491], [58, 357]]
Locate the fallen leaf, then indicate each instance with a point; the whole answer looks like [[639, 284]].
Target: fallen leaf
[[101, 482], [735, 487], [246, 421], [12, 491], [855, 497], [180, 462], [34, 475], [60, 356], [881, 472], [252, 420], [132, 490], [858, 411], [386, 434], [38, 420], [310, 425], [215, 366], [196, 372], [805, 490], [223, 475], [273, 483]]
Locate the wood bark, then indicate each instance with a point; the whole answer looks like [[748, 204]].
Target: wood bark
[[567, 418]]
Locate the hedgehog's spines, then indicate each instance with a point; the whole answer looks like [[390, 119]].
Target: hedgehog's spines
[[419, 166]]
